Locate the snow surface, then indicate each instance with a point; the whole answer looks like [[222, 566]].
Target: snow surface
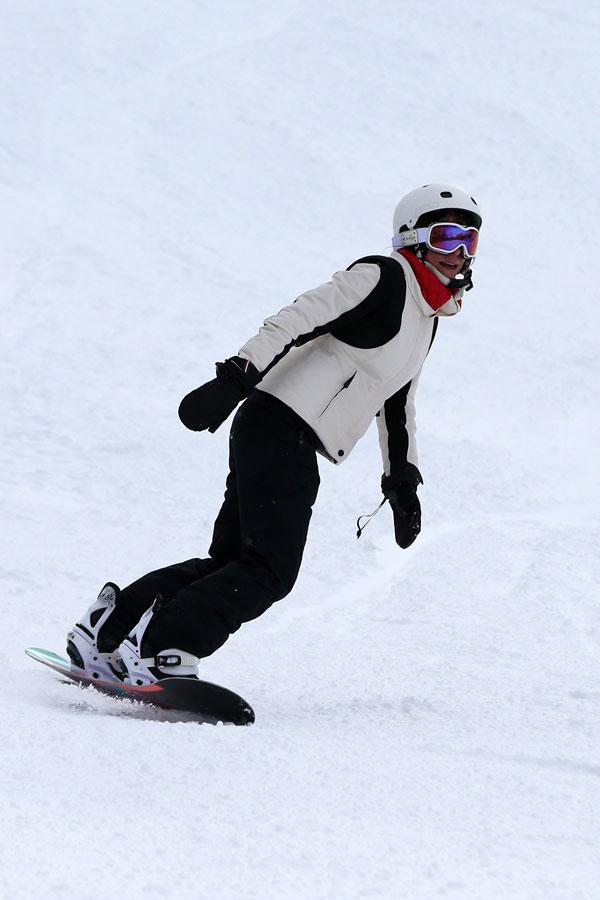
[[428, 722]]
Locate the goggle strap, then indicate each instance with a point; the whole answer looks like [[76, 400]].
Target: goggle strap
[[410, 238]]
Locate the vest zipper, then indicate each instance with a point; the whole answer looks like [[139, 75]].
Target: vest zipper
[[345, 385]]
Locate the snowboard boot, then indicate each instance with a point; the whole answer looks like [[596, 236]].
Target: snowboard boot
[[142, 664], [92, 643]]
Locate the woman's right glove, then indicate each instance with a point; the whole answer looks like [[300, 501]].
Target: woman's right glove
[[209, 405], [405, 508]]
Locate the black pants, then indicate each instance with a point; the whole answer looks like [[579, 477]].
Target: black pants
[[258, 537]]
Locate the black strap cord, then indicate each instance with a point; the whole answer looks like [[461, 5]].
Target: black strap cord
[[361, 528]]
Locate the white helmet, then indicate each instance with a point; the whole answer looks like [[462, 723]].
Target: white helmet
[[425, 206], [413, 209]]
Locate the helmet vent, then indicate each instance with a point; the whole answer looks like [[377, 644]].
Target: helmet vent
[[445, 194]]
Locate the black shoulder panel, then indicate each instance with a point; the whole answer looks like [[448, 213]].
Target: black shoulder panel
[[380, 313], [376, 319]]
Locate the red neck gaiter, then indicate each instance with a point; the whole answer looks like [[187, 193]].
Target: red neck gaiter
[[434, 292]]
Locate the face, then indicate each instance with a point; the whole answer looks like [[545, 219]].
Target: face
[[449, 264]]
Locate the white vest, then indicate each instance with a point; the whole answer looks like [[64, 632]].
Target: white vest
[[334, 387]]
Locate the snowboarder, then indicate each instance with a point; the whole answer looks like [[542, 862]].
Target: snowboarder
[[312, 379]]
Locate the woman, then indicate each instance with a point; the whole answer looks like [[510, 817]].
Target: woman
[[313, 378]]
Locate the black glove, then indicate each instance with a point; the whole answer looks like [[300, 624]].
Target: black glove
[[209, 405], [405, 508]]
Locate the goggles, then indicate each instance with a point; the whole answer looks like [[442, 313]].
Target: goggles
[[443, 237]]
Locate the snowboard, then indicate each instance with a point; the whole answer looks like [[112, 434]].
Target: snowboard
[[208, 702]]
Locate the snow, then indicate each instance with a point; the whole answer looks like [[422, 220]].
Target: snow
[[427, 721]]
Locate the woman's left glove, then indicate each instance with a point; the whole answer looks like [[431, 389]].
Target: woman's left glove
[[209, 405], [405, 508]]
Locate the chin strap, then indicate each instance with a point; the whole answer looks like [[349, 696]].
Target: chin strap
[[462, 281]]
